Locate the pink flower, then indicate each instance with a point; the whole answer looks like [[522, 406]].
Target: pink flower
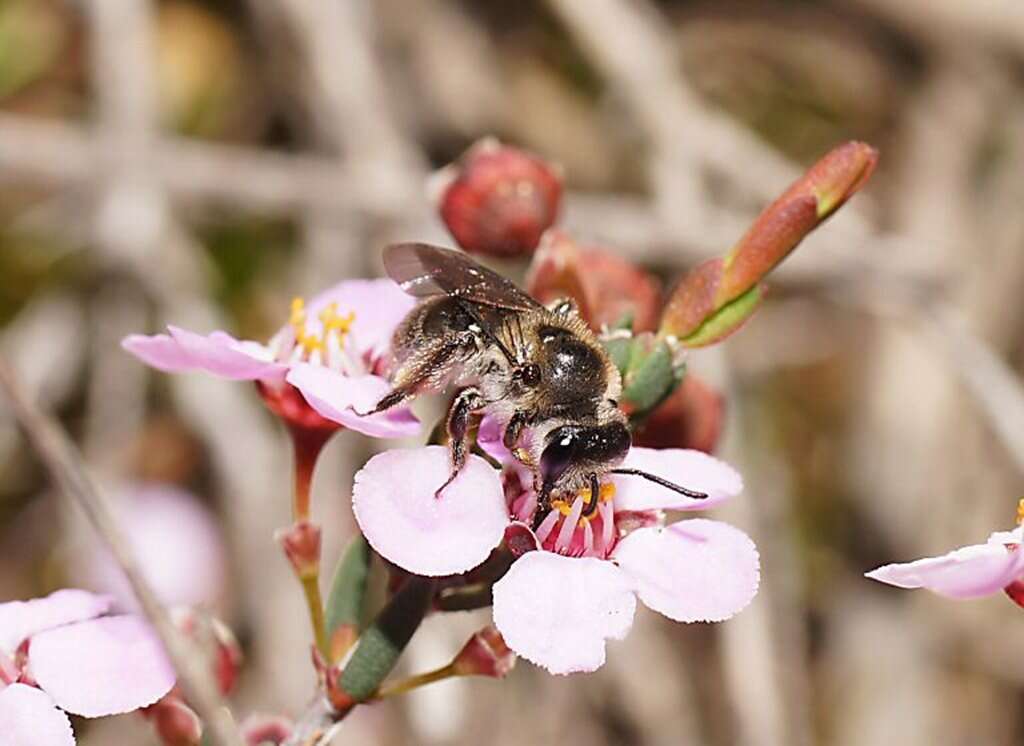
[[332, 353], [177, 543], [557, 606], [968, 572], [60, 653]]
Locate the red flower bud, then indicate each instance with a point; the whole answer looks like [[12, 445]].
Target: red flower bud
[[175, 722], [262, 729], [301, 544], [691, 417], [485, 654], [220, 646], [606, 287], [498, 200]]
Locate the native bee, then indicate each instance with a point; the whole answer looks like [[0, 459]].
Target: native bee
[[538, 369]]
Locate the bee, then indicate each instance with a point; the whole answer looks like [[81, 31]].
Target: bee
[[537, 369]]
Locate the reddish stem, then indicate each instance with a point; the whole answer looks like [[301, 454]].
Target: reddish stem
[[307, 443]]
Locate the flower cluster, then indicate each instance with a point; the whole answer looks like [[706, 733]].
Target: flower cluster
[[563, 575]]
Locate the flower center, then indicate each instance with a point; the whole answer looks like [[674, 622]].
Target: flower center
[[325, 343], [567, 531], [1020, 512], [332, 323], [564, 507]]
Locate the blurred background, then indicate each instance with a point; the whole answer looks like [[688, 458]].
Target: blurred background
[[202, 161]]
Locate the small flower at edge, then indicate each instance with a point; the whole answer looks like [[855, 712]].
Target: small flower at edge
[[76, 660], [972, 571], [320, 368]]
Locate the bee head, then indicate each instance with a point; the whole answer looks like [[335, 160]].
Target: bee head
[[570, 450]]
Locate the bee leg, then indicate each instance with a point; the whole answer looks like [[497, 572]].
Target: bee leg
[[595, 496], [420, 377], [514, 428], [466, 402]]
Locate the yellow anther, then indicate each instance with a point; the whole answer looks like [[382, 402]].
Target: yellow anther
[[1020, 512], [330, 320], [564, 507], [298, 315]]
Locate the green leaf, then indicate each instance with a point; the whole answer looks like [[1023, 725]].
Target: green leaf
[[727, 319], [347, 599], [384, 640], [650, 378]]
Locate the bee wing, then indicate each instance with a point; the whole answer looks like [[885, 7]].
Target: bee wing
[[424, 271]]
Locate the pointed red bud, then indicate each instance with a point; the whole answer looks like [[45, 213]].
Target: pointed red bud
[[497, 199], [258, 730], [605, 287], [301, 544], [485, 654], [710, 288], [175, 722]]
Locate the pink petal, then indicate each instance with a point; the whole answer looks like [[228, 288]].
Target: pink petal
[[558, 611], [692, 571], [338, 397], [969, 572], [28, 717], [20, 620], [178, 546], [393, 500], [101, 667], [688, 468], [489, 438], [379, 307], [218, 353]]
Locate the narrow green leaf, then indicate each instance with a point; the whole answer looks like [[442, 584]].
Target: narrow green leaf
[[347, 598], [384, 640], [727, 319]]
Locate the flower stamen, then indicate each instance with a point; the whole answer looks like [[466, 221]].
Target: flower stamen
[[334, 329]]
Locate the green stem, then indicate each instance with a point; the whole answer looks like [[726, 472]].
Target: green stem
[[414, 682]]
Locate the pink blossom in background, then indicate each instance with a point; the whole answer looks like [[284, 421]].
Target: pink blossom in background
[[177, 543], [576, 582], [968, 572], [59, 655], [333, 352]]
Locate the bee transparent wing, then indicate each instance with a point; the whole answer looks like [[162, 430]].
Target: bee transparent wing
[[424, 271]]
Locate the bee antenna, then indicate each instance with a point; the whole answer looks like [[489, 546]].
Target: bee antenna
[[663, 482]]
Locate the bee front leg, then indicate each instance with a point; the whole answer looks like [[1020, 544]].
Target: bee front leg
[[466, 402], [514, 429]]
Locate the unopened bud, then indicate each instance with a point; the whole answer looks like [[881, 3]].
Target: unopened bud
[[175, 722], [716, 297], [259, 730], [485, 654], [497, 199], [608, 290], [301, 544]]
